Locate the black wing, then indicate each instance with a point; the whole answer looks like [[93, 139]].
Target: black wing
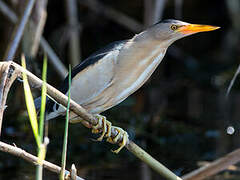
[[92, 59]]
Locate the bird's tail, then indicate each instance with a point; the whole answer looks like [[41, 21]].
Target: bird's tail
[[49, 114]]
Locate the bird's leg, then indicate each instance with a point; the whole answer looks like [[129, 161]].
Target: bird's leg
[[114, 140], [106, 127]]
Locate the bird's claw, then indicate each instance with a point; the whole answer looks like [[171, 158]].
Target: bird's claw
[[106, 132], [114, 140], [106, 127]]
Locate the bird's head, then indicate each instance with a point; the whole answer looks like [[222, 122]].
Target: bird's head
[[171, 30]]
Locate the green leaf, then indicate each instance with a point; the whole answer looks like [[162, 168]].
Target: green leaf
[[30, 104]]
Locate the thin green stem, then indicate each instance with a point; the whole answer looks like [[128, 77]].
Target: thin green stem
[[39, 172], [64, 151], [41, 152], [43, 99]]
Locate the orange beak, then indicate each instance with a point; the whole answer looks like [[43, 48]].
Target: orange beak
[[195, 28]]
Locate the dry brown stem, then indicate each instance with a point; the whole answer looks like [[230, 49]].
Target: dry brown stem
[[31, 158], [7, 77], [214, 167]]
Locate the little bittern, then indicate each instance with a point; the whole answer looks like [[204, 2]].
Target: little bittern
[[113, 73]]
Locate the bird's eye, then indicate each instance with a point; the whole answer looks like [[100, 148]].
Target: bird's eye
[[174, 27]]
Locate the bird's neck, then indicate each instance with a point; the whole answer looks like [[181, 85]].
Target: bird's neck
[[147, 48], [137, 61], [137, 57]]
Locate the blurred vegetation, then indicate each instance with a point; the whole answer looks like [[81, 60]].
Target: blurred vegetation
[[179, 116]]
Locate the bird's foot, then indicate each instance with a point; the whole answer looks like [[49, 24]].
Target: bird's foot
[[105, 125], [121, 133]]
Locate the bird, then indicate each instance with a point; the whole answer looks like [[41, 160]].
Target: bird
[[110, 75]]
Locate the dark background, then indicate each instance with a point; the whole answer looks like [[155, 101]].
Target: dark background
[[179, 116]]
